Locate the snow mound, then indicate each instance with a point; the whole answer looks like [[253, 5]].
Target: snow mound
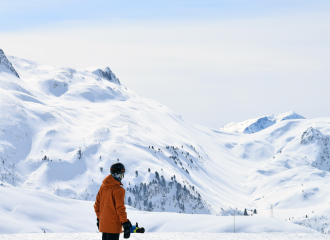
[[5, 65], [258, 124], [319, 223], [56, 87]]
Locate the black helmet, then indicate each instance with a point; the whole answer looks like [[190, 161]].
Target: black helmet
[[117, 170]]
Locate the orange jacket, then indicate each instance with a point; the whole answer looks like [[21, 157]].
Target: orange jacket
[[109, 206]]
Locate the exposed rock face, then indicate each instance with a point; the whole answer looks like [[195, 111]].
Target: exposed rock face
[[312, 135], [107, 74], [319, 143], [5, 65]]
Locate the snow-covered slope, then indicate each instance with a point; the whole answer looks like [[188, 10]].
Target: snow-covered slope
[[258, 124], [43, 212], [292, 172], [62, 128], [170, 236], [65, 131]]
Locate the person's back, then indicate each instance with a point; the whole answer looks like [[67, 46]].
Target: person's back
[[109, 205]]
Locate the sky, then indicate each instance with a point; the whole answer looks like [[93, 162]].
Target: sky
[[212, 62]]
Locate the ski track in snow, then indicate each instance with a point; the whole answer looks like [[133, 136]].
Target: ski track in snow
[[168, 236]]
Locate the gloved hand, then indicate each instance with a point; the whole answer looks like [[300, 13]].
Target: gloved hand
[[98, 223], [127, 229]]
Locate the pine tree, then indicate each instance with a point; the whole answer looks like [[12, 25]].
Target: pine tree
[[79, 153], [255, 211], [136, 173], [162, 181], [245, 212]]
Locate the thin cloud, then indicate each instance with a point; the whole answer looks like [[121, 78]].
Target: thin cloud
[[187, 65]]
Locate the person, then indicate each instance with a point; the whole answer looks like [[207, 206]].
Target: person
[[109, 205]]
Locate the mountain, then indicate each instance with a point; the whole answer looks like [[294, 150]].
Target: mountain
[[258, 124], [62, 128], [5, 65]]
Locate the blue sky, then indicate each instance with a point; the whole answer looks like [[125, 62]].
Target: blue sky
[[21, 14], [212, 62]]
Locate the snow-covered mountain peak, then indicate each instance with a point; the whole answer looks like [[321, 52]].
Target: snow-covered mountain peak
[[5, 65], [257, 124], [287, 115], [312, 135], [107, 74], [72, 124]]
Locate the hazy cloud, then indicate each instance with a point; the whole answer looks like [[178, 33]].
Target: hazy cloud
[[210, 71]]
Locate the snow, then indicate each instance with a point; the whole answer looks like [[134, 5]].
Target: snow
[[33, 211], [62, 128], [258, 124], [169, 236]]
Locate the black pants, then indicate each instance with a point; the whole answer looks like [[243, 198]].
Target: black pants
[[110, 236]]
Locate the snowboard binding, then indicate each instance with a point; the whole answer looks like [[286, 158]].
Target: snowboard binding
[[136, 229]]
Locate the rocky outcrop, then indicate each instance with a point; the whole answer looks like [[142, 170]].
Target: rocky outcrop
[[320, 145], [107, 74], [5, 65]]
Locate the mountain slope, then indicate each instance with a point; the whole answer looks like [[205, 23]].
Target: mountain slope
[[43, 212], [73, 124], [62, 128], [258, 124]]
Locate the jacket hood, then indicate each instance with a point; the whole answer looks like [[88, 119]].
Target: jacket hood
[[109, 182]]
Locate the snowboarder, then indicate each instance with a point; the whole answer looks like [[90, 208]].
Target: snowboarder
[[109, 205]]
